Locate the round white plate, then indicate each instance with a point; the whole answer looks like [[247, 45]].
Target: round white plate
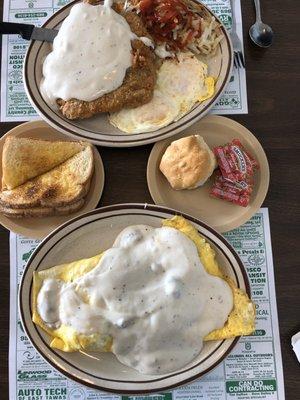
[[97, 129], [87, 235]]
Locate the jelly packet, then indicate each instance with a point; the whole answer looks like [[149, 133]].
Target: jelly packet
[[234, 182]]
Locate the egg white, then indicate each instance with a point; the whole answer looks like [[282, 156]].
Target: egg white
[[180, 85], [159, 112]]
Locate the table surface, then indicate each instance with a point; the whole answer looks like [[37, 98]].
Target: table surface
[[274, 117]]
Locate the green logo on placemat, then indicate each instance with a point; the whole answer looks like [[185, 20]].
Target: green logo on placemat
[[259, 332], [226, 19], [62, 2], [26, 256], [251, 386], [160, 396]]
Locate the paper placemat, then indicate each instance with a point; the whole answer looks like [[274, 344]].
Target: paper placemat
[[15, 105], [252, 371]]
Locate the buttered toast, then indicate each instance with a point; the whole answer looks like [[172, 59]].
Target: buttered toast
[[62, 185], [40, 212], [59, 191], [26, 158]]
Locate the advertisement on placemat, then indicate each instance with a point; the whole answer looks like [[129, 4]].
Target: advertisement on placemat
[[253, 370]]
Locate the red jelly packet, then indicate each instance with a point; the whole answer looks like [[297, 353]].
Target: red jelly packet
[[235, 163], [234, 182], [235, 192]]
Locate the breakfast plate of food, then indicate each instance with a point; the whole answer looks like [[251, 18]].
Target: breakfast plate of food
[[46, 179], [159, 67], [135, 298], [216, 170]]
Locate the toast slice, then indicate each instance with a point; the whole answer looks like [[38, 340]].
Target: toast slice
[[39, 212], [63, 185], [25, 158]]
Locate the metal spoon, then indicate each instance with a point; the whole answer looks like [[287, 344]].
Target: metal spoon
[[260, 33]]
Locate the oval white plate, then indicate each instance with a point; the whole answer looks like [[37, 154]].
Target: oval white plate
[[86, 236], [97, 129]]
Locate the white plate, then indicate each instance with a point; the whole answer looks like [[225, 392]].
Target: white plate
[[97, 129], [86, 236]]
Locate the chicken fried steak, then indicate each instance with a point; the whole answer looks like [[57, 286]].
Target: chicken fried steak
[[137, 87]]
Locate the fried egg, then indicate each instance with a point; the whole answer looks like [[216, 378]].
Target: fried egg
[[180, 85], [159, 112]]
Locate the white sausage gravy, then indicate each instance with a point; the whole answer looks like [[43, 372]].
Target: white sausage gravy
[[150, 292], [90, 55]]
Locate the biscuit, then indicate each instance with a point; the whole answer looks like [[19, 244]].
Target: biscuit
[[188, 163]]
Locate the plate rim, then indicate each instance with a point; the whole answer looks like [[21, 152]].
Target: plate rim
[[225, 227], [140, 207], [127, 142], [99, 173]]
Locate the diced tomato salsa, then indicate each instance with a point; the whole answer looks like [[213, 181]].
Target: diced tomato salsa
[[170, 22]]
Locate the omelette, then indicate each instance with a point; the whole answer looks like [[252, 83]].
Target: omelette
[[139, 306]]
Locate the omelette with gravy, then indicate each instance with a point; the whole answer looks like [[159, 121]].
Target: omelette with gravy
[[152, 299]]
